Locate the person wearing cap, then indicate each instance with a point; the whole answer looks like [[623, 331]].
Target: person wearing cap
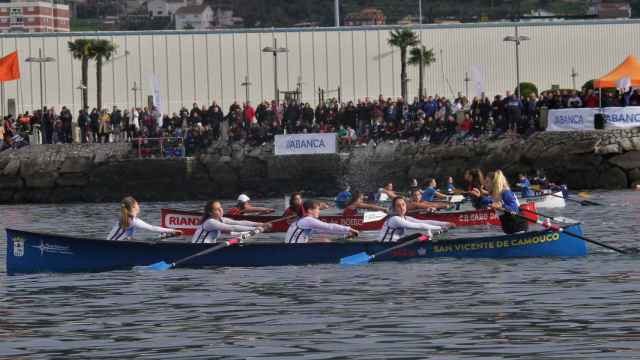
[[244, 208]]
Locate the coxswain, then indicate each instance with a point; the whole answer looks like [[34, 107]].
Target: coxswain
[[244, 208], [129, 222], [416, 203], [357, 202], [430, 193], [296, 208], [303, 229], [343, 197], [504, 198], [396, 225], [387, 193], [213, 224], [525, 186]]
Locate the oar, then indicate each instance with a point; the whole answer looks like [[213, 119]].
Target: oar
[[581, 202], [560, 229], [162, 265], [553, 218], [364, 258]]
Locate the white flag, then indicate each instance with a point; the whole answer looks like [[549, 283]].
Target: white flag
[[157, 97], [477, 81], [624, 83]]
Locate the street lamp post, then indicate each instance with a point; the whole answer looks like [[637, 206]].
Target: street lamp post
[[40, 60], [246, 85], [574, 74], [466, 84], [135, 89], [517, 39], [275, 50]]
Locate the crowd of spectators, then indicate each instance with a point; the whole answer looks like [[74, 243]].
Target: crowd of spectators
[[433, 119]]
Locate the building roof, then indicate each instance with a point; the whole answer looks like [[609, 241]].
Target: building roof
[[192, 9]]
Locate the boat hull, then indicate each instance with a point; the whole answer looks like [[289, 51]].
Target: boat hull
[[188, 221], [546, 201], [29, 252]]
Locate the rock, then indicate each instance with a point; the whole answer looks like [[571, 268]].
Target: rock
[[11, 182], [76, 180], [12, 168], [609, 149], [629, 160], [626, 145], [76, 165], [613, 178], [634, 175]]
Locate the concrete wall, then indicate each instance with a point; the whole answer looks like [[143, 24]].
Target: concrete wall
[[201, 66]]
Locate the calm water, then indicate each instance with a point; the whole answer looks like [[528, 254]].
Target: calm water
[[443, 309]]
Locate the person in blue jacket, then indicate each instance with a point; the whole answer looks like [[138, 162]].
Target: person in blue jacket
[[525, 186], [504, 198], [343, 197]]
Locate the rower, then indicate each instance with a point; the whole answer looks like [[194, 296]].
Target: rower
[[387, 193], [343, 197], [477, 190], [525, 186], [413, 185], [213, 224], [357, 202], [296, 208], [244, 208], [396, 225], [504, 198], [416, 203], [129, 222], [430, 192], [303, 229]]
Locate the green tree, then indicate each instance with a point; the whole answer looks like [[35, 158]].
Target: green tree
[[81, 49], [527, 89], [403, 39], [421, 57], [102, 50]]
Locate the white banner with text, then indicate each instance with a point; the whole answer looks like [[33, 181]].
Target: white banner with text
[[303, 144], [621, 117], [573, 119]]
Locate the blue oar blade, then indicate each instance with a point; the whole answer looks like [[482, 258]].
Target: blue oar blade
[[159, 266], [357, 259]]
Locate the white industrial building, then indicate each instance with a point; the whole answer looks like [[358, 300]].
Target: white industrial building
[[201, 66]]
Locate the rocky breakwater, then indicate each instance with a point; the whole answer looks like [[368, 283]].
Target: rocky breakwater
[[583, 160], [107, 172]]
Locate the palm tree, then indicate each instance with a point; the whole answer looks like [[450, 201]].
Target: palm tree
[[403, 39], [421, 57], [102, 50], [81, 49]]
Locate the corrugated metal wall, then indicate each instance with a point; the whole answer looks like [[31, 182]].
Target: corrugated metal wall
[[204, 66]]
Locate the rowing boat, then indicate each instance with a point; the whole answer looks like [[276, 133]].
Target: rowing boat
[[188, 221], [546, 200], [30, 252]]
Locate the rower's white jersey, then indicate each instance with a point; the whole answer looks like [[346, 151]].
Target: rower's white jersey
[[302, 230], [394, 228], [209, 231], [118, 233]]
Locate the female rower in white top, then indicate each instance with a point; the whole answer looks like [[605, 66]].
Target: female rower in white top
[[395, 226], [129, 222], [303, 229], [213, 224]]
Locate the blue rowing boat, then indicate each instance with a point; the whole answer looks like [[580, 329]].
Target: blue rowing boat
[[30, 252]]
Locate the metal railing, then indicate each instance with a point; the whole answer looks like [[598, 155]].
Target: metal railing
[[160, 147]]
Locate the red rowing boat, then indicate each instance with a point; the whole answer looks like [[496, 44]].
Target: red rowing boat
[[188, 221]]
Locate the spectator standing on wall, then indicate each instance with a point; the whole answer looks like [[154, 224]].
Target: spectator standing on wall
[[66, 117], [513, 106], [574, 100], [83, 124], [116, 123], [105, 126]]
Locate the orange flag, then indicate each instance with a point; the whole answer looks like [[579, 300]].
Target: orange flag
[[10, 67]]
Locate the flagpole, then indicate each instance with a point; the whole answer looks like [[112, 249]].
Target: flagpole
[[2, 98]]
